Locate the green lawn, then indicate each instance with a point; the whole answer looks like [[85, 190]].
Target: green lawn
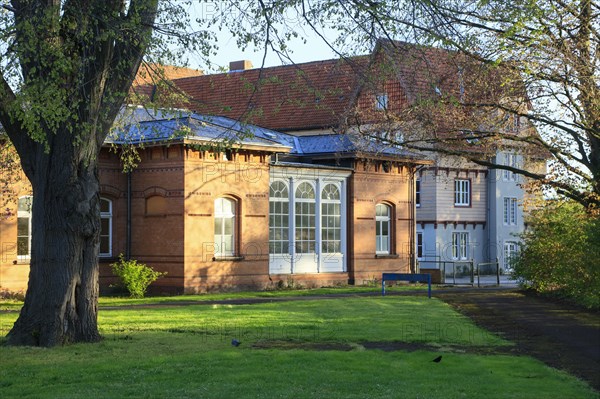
[[186, 351]]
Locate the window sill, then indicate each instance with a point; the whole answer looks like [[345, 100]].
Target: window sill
[[387, 256], [227, 258], [21, 261]]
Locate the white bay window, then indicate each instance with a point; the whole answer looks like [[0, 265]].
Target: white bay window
[[307, 223]]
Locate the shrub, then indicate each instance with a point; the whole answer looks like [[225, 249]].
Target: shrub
[[135, 277], [561, 253], [12, 295]]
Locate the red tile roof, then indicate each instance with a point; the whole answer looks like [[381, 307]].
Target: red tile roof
[[149, 73], [289, 97], [333, 93]]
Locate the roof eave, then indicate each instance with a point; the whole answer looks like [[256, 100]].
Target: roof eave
[[238, 146]]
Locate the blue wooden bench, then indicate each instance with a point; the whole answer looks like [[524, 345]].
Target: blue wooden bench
[[406, 277]]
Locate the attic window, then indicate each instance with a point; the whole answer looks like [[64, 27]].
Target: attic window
[[516, 123], [398, 139], [461, 83], [381, 101], [471, 137]]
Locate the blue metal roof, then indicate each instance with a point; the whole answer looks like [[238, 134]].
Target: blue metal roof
[[349, 143], [142, 127], [148, 126]]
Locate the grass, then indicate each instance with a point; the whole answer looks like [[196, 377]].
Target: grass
[[186, 351], [120, 301], [12, 304]]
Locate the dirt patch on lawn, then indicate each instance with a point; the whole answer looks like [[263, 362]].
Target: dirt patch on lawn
[[562, 336], [386, 346]]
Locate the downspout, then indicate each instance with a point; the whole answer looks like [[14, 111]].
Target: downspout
[[350, 261], [413, 217], [413, 222], [128, 233], [488, 217]]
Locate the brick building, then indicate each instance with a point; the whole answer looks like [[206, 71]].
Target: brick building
[[327, 195], [219, 204]]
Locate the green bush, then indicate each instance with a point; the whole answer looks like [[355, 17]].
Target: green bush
[[135, 277], [561, 253]]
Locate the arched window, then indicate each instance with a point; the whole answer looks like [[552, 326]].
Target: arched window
[[305, 218], [331, 228], [105, 227], [279, 211], [24, 227], [383, 217], [225, 212]]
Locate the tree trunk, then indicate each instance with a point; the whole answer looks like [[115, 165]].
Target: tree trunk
[[61, 301]]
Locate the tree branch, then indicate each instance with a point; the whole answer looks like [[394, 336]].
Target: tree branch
[[25, 146]]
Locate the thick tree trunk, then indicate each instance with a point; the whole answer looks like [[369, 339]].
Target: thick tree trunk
[[61, 301]]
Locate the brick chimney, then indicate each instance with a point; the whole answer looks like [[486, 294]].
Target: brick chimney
[[241, 65]]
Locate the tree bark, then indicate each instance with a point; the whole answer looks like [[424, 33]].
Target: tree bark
[[61, 302], [77, 65]]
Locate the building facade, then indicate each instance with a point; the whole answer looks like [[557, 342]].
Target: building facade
[[262, 212], [322, 193], [466, 212]]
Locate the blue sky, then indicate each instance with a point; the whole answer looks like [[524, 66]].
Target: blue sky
[[315, 48]]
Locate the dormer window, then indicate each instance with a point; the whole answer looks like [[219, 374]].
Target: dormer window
[[516, 123], [381, 101], [512, 122], [471, 137]]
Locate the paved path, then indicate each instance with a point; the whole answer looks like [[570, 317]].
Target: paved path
[[562, 336]]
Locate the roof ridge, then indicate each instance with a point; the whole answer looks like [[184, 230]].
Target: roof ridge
[[274, 67]]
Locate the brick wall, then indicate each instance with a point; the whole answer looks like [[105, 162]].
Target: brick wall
[[372, 185], [173, 191], [243, 177]]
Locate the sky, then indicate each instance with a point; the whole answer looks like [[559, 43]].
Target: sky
[[315, 48]]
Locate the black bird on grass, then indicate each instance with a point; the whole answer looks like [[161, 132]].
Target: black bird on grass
[[438, 359], [235, 342]]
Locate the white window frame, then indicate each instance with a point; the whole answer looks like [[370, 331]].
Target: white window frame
[[462, 192], [310, 241], [418, 193], [292, 261], [24, 214], [510, 211], [460, 245], [328, 220], [381, 101], [380, 238], [220, 244], [511, 249], [107, 216], [510, 159], [279, 229]]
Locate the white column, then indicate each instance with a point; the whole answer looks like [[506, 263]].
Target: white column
[[318, 225], [343, 224], [292, 223]]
